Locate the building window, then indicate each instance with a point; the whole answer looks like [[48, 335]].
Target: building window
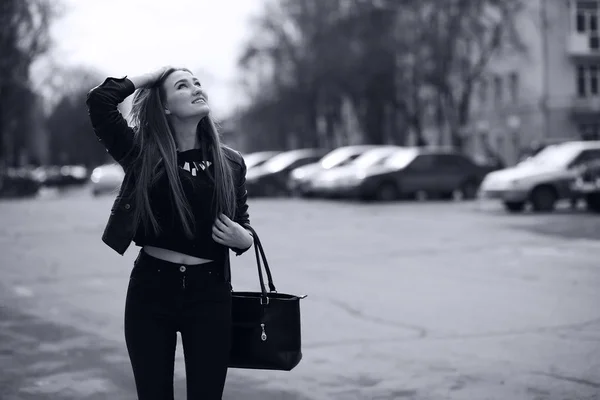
[[498, 90], [587, 19], [513, 81], [593, 80], [588, 80], [580, 22]]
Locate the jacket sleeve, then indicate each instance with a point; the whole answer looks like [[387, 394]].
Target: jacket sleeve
[[241, 195], [109, 125]]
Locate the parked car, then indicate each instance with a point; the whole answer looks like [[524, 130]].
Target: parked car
[[18, 182], [418, 172], [61, 176], [541, 180], [535, 147], [300, 178], [270, 179], [258, 158], [341, 181], [106, 178], [587, 184]]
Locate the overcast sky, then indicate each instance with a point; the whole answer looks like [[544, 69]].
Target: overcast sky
[[128, 37]]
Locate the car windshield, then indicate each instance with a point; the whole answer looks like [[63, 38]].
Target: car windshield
[[401, 158], [372, 157], [281, 161], [555, 156], [336, 157]]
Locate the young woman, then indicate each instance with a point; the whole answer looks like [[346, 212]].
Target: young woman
[[183, 201]]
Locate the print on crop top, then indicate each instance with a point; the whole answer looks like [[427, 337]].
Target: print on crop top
[[194, 166]]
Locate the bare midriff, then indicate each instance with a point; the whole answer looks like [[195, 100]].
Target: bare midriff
[[174, 256]]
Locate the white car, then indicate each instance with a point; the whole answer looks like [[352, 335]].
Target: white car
[[541, 180], [300, 181], [258, 158], [106, 179], [343, 181]]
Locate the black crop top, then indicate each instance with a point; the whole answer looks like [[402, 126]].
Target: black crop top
[[198, 189], [118, 137]]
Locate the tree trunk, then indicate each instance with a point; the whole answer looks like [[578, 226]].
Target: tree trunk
[[373, 120], [418, 129], [310, 128]]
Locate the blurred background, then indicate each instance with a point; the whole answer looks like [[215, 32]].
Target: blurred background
[[494, 81], [396, 138]]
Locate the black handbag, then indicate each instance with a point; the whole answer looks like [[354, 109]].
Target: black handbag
[[266, 332]]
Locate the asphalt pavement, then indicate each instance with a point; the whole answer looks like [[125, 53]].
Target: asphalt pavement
[[434, 300]]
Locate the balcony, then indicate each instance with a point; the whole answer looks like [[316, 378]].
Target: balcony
[[585, 106], [583, 45]]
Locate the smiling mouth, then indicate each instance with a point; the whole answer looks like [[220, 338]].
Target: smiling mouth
[[199, 101]]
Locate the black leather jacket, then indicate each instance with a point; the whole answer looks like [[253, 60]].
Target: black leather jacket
[[117, 136]]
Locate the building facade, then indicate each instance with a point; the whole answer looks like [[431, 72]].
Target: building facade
[[548, 91]]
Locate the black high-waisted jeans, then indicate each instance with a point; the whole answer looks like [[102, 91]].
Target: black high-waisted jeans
[[164, 298]]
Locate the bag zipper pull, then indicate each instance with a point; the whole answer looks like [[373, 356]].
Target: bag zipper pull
[[263, 335]]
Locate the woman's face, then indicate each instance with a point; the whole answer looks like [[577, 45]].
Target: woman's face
[[184, 97]]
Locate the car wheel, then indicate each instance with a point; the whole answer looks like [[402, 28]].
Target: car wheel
[[468, 190], [543, 199], [592, 202], [514, 206], [386, 192]]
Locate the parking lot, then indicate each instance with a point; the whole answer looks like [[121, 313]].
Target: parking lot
[[409, 300]]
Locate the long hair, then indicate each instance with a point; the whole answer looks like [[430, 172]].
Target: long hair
[[157, 155]]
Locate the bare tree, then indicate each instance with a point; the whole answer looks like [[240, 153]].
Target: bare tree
[[71, 137], [463, 38], [24, 36], [293, 42], [401, 63]]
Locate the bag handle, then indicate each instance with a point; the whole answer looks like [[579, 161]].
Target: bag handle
[[266, 265], [260, 254]]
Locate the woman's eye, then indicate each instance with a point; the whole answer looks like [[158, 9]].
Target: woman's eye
[[181, 86], [198, 84]]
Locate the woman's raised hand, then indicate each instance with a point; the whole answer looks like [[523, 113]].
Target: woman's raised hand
[[148, 79]]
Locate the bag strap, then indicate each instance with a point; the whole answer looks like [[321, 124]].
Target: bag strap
[[266, 265], [260, 255]]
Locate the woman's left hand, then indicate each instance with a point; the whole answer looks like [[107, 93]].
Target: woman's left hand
[[230, 233]]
